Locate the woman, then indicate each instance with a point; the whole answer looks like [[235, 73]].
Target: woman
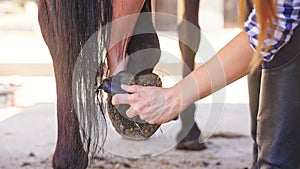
[[270, 39]]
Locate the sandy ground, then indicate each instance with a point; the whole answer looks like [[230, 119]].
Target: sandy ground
[[28, 133], [28, 140], [221, 153]]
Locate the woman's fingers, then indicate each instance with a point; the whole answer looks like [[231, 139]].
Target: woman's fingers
[[152, 104], [131, 89], [126, 98], [155, 119], [120, 99], [131, 112]]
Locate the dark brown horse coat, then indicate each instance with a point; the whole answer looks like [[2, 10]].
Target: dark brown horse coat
[[66, 25]]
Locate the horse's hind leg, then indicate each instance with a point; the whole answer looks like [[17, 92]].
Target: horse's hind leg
[[143, 49], [189, 40], [59, 27]]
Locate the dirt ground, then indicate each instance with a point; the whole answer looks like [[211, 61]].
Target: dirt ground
[[221, 153], [27, 141]]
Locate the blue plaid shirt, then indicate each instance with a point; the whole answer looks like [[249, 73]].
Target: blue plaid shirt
[[288, 12]]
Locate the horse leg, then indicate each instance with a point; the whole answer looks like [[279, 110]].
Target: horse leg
[[69, 152], [143, 49], [189, 40], [59, 26], [59, 22], [122, 28]]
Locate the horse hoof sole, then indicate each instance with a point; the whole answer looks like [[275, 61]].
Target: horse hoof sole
[[134, 128]]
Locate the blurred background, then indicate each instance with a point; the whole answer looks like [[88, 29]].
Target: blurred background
[[26, 72], [27, 84], [25, 63], [27, 88]]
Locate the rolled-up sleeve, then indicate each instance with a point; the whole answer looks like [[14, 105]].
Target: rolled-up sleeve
[[288, 13]]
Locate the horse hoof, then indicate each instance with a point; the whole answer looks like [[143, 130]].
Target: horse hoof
[[134, 128], [193, 145]]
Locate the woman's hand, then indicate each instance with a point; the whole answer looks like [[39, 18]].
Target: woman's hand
[[158, 105], [155, 105]]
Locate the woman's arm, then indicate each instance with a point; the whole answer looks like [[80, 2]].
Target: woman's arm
[[159, 105], [121, 31]]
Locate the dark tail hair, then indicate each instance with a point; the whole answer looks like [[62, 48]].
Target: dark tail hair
[[93, 16]]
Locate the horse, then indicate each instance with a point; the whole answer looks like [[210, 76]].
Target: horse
[[66, 26], [189, 35]]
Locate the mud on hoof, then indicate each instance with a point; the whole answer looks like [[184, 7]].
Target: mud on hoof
[[133, 128]]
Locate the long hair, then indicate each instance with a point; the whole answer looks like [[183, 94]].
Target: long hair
[[266, 11], [92, 19], [67, 27]]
